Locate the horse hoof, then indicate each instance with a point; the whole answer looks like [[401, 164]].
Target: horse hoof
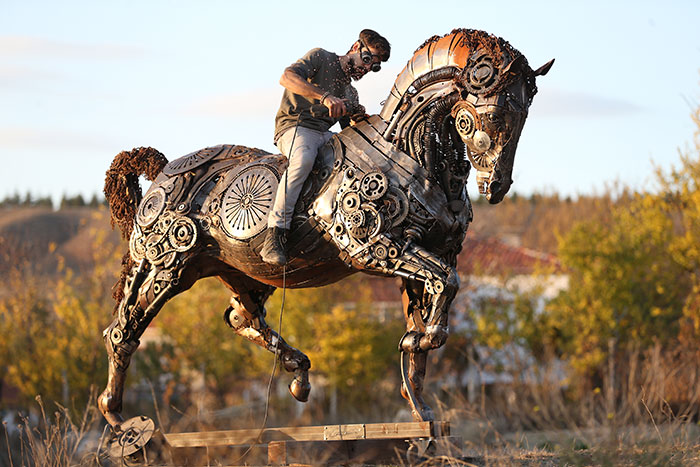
[[109, 409], [299, 390]]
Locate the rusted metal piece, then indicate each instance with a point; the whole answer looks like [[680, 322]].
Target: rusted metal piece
[[386, 196], [131, 436]]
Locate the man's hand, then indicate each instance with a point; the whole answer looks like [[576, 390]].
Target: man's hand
[[359, 114], [336, 106]]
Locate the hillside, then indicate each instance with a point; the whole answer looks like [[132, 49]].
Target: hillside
[[36, 237], [537, 221]]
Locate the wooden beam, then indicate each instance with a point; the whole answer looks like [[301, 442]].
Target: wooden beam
[[405, 430]]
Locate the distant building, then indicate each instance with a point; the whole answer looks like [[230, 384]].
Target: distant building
[[485, 264], [491, 273]]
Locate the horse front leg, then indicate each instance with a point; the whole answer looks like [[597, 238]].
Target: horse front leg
[[428, 288], [145, 296], [246, 316], [413, 364]]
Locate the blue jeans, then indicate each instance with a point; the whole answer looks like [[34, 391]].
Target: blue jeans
[[301, 160]]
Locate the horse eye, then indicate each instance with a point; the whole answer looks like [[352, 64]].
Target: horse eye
[[495, 118]]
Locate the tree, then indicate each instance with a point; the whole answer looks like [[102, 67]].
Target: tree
[[52, 328], [633, 277], [337, 327]]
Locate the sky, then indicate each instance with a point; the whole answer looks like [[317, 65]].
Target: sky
[[81, 81]]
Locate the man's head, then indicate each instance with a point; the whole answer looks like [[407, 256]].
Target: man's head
[[367, 53]]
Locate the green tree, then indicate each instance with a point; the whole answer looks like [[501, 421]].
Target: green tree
[[634, 276], [339, 329], [199, 340], [624, 284]]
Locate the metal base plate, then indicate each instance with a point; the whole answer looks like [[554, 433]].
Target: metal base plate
[[133, 434]]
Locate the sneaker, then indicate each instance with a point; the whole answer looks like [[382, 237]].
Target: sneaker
[[273, 250]]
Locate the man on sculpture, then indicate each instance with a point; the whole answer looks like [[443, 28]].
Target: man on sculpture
[[318, 77]]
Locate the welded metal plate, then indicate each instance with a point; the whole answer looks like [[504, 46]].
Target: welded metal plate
[[248, 201], [192, 160]]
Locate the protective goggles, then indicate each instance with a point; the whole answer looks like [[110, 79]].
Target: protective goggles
[[367, 57]]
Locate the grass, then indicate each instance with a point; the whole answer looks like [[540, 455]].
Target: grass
[[55, 441], [61, 439]]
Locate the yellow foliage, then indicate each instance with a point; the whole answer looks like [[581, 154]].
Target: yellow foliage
[[52, 331], [634, 277]]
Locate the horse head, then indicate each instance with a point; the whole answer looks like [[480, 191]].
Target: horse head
[[466, 95]]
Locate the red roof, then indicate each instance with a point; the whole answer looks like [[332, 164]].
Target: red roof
[[491, 256], [481, 257]]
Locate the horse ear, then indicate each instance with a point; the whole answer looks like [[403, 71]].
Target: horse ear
[[514, 65], [541, 71]]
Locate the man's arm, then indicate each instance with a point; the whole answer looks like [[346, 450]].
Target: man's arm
[[298, 85]]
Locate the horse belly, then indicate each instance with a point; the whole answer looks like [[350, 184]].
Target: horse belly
[[313, 261]]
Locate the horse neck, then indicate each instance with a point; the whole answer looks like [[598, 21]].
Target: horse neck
[[437, 55], [423, 107]]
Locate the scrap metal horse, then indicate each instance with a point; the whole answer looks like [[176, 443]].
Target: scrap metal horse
[[387, 196]]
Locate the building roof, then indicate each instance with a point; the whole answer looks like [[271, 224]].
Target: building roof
[[491, 256], [479, 257]]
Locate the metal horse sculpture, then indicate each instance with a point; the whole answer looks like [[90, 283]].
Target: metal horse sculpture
[[387, 196]]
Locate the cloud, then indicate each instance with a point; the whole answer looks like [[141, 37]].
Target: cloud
[[13, 138], [29, 46], [16, 75], [561, 103], [253, 103]]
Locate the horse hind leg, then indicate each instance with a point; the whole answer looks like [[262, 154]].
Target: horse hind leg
[[246, 316], [147, 290]]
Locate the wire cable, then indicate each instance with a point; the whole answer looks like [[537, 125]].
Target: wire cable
[[258, 439]]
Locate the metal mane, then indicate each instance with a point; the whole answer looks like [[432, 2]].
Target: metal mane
[[452, 51]]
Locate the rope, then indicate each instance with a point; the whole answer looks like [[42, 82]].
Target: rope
[[258, 439]]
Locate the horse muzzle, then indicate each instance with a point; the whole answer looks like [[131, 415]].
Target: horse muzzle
[[492, 186]]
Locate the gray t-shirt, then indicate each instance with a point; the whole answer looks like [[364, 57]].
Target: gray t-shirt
[[323, 69]]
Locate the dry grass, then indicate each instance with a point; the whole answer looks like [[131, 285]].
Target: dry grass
[[39, 439], [60, 440]]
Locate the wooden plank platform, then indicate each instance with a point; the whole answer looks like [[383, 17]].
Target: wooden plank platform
[[360, 431], [328, 444]]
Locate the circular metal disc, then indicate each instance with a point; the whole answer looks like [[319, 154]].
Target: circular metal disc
[[183, 234], [248, 201], [134, 435], [151, 207], [192, 160], [397, 205]]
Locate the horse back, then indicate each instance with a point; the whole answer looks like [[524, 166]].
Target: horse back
[[215, 202]]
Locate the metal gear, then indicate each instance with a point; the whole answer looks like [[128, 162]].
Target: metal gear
[[137, 245], [480, 75], [182, 234], [373, 185], [374, 220], [397, 205], [466, 120]]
